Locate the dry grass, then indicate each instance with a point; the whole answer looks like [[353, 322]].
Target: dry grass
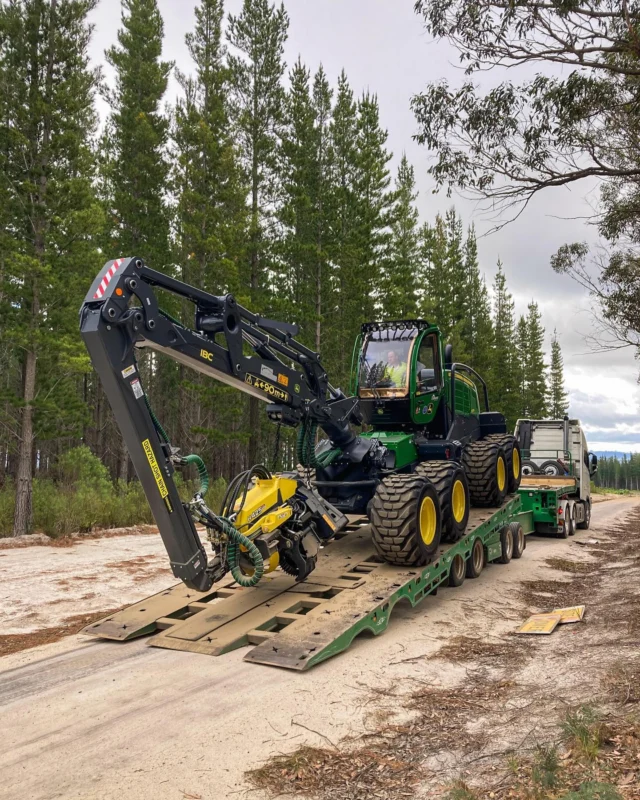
[[15, 642], [506, 652], [566, 565]]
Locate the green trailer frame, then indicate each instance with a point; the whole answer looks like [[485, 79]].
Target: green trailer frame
[[541, 501], [299, 625]]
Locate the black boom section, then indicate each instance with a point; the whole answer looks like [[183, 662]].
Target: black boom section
[[258, 356]]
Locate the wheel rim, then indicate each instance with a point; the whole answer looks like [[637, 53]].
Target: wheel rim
[[501, 473], [458, 501], [457, 567], [520, 539], [516, 463], [509, 545], [478, 556], [428, 521]]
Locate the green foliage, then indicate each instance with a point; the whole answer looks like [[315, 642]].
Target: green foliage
[[583, 729], [503, 379], [618, 474], [534, 368], [558, 401], [544, 773], [459, 790], [593, 790]]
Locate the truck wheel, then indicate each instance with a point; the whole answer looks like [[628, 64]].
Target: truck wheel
[[513, 455], [405, 520], [563, 533], [485, 465], [453, 490], [519, 539], [551, 468], [587, 516], [506, 542], [475, 562], [458, 571], [572, 519]]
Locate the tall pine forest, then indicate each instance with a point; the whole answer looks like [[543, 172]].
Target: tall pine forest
[[269, 180]]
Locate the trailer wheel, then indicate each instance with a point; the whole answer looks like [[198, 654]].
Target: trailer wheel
[[519, 539], [514, 458], [405, 520], [529, 467], [458, 571], [486, 467], [587, 516], [506, 543], [453, 490], [475, 562]]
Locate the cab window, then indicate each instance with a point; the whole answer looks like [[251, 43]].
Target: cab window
[[427, 367], [384, 366]]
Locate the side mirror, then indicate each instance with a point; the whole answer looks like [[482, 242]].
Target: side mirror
[[593, 464], [427, 380]]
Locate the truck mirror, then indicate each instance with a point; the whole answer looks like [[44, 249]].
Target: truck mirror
[[593, 466], [427, 380]]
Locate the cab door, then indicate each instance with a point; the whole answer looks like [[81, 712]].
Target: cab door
[[426, 379]]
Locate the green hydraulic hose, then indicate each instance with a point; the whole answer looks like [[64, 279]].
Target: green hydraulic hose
[[237, 539], [202, 472]]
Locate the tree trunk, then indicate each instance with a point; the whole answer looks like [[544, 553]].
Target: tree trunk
[[24, 484], [254, 403]]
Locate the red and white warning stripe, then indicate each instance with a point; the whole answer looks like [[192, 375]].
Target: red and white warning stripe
[[107, 278]]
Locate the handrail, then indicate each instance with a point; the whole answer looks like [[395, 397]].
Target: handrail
[[464, 368]]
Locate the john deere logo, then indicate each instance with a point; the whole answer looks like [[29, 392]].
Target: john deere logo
[[296, 388]]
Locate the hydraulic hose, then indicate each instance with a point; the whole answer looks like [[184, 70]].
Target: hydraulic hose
[[202, 472], [305, 448], [236, 540]]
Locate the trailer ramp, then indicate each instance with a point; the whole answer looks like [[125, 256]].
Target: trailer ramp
[[298, 625]]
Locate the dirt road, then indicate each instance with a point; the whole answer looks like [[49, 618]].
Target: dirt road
[[84, 719]]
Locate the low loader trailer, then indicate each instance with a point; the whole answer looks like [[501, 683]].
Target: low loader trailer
[[297, 625]]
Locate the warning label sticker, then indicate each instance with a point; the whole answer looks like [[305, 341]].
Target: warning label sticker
[[136, 388], [155, 468], [128, 371], [267, 388]]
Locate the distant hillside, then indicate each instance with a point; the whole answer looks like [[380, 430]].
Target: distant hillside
[[611, 454]]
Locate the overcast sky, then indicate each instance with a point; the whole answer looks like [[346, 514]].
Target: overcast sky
[[383, 48]]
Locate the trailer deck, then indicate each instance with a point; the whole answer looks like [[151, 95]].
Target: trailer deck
[[298, 625]]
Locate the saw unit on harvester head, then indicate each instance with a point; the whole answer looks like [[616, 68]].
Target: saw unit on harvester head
[[427, 455]]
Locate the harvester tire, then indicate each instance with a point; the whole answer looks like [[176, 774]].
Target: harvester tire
[[453, 491], [485, 465], [514, 458], [406, 520]]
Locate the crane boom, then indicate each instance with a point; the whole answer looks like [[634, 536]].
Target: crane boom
[[229, 343]]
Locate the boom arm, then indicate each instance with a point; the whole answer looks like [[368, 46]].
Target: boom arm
[[297, 389]]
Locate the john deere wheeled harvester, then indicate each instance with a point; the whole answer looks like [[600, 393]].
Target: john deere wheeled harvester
[[425, 453]]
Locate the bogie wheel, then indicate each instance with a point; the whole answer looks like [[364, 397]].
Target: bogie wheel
[[405, 520], [453, 490], [584, 525], [506, 542], [519, 539], [475, 562], [458, 571], [514, 458], [485, 465]]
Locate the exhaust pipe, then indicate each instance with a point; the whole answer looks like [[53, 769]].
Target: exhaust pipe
[[566, 434]]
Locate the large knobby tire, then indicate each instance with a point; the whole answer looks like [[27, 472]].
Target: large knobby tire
[[453, 491], [514, 458], [584, 525], [485, 465], [406, 520]]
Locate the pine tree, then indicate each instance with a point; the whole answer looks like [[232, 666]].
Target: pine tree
[[558, 401], [257, 37], [210, 221], [520, 366], [535, 368], [476, 330], [372, 200], [503, 379], [400, 276], [136, 163], [49, 215]]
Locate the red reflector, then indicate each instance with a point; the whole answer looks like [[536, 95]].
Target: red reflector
[[560, 511], [447, 453]]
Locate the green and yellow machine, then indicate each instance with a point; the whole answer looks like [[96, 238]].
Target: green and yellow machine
[[427, 449]]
